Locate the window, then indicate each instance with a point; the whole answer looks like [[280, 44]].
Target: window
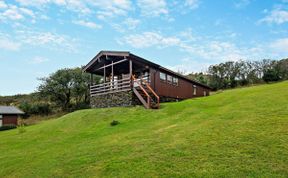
[[162, 76], [204, 93], [1, 116], [169, 78], [175, 81], [194, 89]]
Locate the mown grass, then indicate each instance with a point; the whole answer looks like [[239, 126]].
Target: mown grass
[[237, 133]]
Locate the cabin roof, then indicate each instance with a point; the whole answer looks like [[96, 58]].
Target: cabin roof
[[127, 54], [10, 110]]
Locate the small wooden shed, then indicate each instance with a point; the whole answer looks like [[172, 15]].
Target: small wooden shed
[[9, 115]]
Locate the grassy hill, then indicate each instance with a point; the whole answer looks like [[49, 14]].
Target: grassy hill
[[237, 133]]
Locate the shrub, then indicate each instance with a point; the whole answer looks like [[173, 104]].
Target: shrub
[[21, 129], [114, 122], [271, 75], [35, 108], [7, 127]]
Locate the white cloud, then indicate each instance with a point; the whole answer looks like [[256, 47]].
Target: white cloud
[[280, 45], [148, 39], [3, 5], [47, 40], [187, 65], [153, 8], [74, 5], [131, 23], [200, 47], [192, 4], [38, 60], [108, 9], [8, 44], [277, 16], [33, 2], [128, 24], [13, 12], [87, 24], [103, 8]]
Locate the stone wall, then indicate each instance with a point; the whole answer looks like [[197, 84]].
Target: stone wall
[[125, 98]]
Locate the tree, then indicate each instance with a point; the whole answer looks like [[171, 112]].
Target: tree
[[282, 67], [66, 88], [271, 75]]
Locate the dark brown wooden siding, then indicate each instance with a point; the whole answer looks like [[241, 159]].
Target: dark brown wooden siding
[[184, 89], [9, 119]]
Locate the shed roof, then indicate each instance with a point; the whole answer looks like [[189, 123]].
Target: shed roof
[[10, 110]]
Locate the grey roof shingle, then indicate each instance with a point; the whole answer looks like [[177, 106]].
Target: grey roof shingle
[[10, 110]]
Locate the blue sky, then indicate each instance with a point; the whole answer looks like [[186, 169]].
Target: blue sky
[[37, 37]]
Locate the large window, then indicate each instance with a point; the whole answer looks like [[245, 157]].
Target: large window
[[194, 89], [175, 81], [169, 78], [162, 76]]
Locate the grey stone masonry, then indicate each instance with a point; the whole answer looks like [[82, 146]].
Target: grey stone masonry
[[124, 98]]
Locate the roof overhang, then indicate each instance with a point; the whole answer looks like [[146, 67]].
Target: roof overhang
[[125, 54]]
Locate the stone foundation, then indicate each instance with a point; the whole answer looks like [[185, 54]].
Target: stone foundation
[[164, 99], [124, 98]]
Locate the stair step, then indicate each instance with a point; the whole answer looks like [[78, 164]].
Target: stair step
[[141, 90]]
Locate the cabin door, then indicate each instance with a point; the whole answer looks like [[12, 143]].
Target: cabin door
[[1, 123]]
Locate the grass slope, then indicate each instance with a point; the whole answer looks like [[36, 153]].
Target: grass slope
[[241, 132]]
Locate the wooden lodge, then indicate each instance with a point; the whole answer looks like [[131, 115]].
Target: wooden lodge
[[128, 79]]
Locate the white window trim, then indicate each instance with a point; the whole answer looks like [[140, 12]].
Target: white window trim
[[194, 90]]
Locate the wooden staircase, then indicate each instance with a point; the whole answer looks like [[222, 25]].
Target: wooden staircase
[[145, 94]]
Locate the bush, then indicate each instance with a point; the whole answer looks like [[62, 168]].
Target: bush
[[35, 108], [114, 122], [7, 127], [271, 75]]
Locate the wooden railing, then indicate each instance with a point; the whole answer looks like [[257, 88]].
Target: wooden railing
[[127, 84], [111, 87], [152, 91], [148, 98]]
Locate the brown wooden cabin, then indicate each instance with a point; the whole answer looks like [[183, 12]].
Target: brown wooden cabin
[[128, 79], [9, 115]]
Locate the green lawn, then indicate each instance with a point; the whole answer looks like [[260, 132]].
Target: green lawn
[[237, 133]]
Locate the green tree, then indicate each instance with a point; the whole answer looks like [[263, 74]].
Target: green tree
[[66, 88], [271, 75]]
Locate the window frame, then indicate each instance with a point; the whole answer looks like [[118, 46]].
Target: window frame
[[169, 81], [175, 81], [164, 75], [194, 90]]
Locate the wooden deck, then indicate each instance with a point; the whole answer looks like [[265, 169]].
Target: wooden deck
[[138, 85]]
